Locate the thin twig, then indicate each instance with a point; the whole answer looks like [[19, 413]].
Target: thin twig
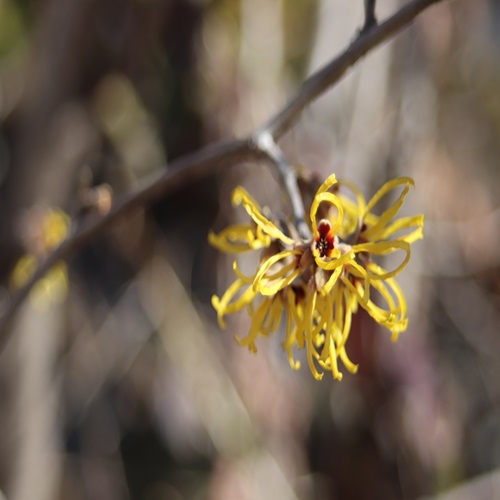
[[323, 79], [207, 161], [266, 143], [370, 18]]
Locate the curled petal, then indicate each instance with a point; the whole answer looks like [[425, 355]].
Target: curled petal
[[248, 280], [384, 248], [257, 322], [291, 329], [311, 350], [386, 188], [331, 281], [379, 315], [414, 235], [224, 306], [399, 306], [404, 223], [373, 232], [330, 181], [352, 217], [360, 199], [360, 272], [353, 210], [273, 319], [335, 262], [352, 367], [390, 319], [332, 329], [350, 307], [238, 238], [333, 362], [271, 284], [241, 197], [333, 200]]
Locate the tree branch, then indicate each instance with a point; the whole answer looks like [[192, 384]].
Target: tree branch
[[259, 145], [266, 143], [320, 81], [370, 18]]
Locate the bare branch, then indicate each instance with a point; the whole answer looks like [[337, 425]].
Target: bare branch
[[260, 145], [266, 143], [320, 81], [181, 172], [370, 18]]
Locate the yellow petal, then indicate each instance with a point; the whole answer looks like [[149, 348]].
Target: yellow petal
[[290, 331], [360, 199], [248, 280], [273, 318], [333, 264], [224, 306], [261, 281], [309, 326], [256, 327], [331, 281], [403, 223], [327, 320], [352, 217], [413, 236], [373, 232], [333, 360], [328, 359], [241, 197], [333, 200], [352, 367], [399, 306], [238, 238], [23, 271], [379, 315], [330, 181], [383, 248], [349, 300], [386, 188]]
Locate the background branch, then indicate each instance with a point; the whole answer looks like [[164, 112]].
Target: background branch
[[322, 80], [209, 160], [370, 18]]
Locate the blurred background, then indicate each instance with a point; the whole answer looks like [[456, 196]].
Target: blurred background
[[122, 385]]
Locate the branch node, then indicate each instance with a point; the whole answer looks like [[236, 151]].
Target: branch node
[[265, 142], [370, 18]]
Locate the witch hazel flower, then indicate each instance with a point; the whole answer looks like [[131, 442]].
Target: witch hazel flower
[[316, 286]]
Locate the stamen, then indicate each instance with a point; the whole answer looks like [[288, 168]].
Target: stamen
[[325, 239]]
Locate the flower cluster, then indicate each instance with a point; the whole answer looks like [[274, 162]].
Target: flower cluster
[[47, 228], [318, 285]]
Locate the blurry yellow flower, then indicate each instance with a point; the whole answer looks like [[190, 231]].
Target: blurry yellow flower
[[55, 227], [318, 285], [48, 228]]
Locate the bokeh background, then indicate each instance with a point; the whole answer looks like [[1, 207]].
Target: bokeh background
[[128, 389]]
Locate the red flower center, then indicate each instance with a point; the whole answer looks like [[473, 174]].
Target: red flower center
[[324, 239]]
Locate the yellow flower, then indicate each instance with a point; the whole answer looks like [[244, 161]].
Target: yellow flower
[[319, 284], [51, 227], [371, 237], [239, 238]]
